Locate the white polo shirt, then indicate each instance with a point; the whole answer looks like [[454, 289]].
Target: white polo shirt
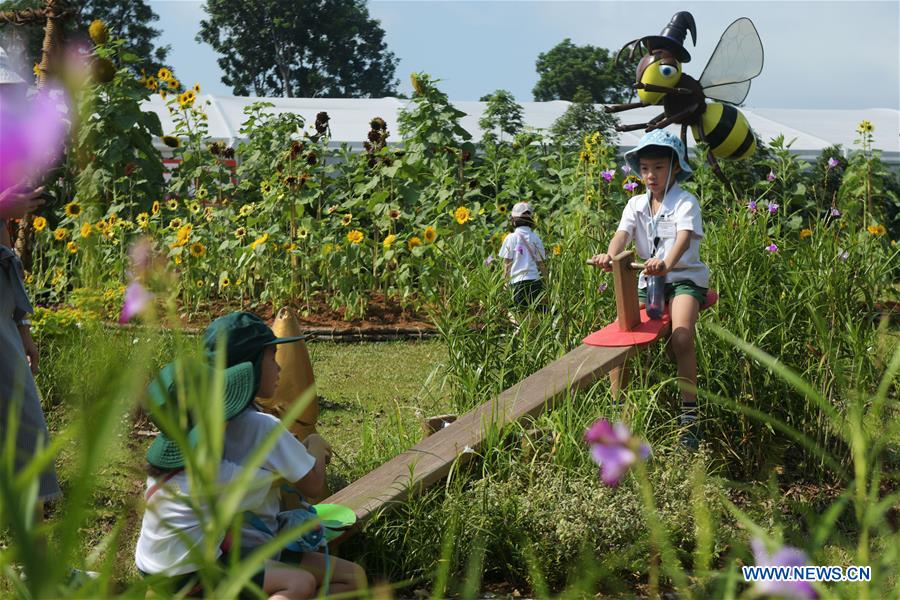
[[289, 459], [680, 211], [525, 249]]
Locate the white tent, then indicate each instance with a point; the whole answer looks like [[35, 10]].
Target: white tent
[[811, 129]]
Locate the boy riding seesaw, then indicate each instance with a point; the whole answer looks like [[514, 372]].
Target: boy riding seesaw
[[666, 227]]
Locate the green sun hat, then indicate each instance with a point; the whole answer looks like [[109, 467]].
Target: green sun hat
[[240, 388], [246, 336]]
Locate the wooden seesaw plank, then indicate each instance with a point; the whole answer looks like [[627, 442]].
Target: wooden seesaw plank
[[430, 460]]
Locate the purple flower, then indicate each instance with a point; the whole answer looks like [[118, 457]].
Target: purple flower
[[771, 176], [136, 300], [835, 212], [772, 248], [626, 169], [602, 287], [630, 185], [489, 260], [833, 162], [786, 556], [614, 449], [752, 206], [607, 175], [773, 208], [34, 130]]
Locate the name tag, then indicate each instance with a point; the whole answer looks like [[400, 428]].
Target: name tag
[[666, 229]]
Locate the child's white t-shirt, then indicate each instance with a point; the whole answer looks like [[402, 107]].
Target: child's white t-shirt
[[289, 459], [171, 528], [525, 249], [680, 211]]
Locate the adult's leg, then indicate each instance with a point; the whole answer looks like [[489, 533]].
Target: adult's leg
[[285, 582], [346, 576]]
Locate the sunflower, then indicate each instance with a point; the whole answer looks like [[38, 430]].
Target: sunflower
[[86, 230], [60, 234], [72, 247], [240, 232], [73, 209], [177, 259], [194, 207], [462, 214], [143, 220], [152, 84], [430, 234], [98, 31], [557, 250], [346, 219], [805, 233], [164, 74], [102, 226], [224, 282], [171, 141], [394, 214], [39, 223], [202, 193], [154, 210], [355, 236], [302, 233], [259, 241], [502, 208], [246, 210], [865, 126], [196, 88], [876, 229], [175, 224], [265, 187], [208, 213], [163, 94], [389, 241], [174, 84], [200, 283], [198, 250], [172, 204], [186, 100], [183, 236], [413, 242]]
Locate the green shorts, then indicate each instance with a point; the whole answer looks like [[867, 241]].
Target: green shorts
[[679, 288]]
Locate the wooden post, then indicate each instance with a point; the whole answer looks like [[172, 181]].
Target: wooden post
[[625, 280], [628, 314]]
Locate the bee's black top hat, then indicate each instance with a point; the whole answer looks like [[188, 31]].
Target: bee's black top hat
[[672, 36]]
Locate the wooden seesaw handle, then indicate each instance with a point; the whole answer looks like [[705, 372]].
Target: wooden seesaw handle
[[635, 265]]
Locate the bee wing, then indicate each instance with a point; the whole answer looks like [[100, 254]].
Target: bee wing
[[737, 59]]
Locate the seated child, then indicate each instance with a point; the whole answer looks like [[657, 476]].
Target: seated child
[[172, 528], [302, 465]]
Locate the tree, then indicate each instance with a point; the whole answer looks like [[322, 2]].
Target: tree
[[567, 67], [127, 19], [581, 119], [328, 48], [502, 114]]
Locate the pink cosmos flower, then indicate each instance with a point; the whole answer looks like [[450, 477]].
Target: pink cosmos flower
[[630, 186], [785, 556], [614, 449], [626, 169], [771, 176], [137, 298], [607, 175], [772, 248], [835, 212], [773, 208], [33, 133], [833, 162], [752, 206], [602, 287]]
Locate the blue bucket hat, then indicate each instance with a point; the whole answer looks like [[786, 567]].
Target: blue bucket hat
[[660, 137]]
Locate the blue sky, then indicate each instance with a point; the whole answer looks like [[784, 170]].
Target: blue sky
[[819, 54]]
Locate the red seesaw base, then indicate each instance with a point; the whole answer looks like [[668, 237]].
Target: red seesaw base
[[648, 331]]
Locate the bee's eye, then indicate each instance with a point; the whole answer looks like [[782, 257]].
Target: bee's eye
[[667, 70]]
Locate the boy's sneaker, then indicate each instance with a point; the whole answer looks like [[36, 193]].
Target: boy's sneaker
[[690, 433]]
